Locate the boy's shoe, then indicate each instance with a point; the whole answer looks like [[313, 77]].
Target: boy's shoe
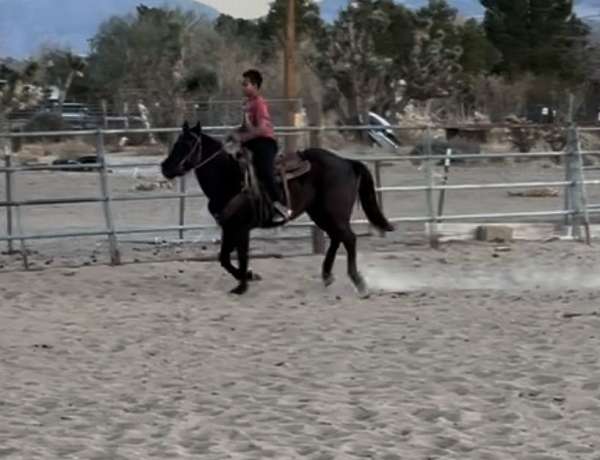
[[282, 214], [278, 219]]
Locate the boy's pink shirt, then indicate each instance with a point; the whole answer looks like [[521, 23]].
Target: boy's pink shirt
[[258, 115]]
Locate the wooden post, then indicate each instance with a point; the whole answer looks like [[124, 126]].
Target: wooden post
[[115, 256], [289, 73]]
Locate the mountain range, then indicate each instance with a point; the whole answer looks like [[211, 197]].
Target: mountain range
[[26, 25], [466, 8]]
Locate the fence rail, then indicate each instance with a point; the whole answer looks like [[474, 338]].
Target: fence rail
[[575, 211]]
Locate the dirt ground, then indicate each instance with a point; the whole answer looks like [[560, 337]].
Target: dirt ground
[[466, 352], [470, 351]]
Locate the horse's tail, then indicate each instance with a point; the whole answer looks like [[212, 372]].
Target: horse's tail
[[368, 199]]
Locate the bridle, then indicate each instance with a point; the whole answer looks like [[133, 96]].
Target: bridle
[[198, 146]]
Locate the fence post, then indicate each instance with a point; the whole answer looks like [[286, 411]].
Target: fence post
[[115, 256], [571, 191], [432, 232], [9, 195], [442, 195], [318, 237], [182, 190], [570, 203], [104, 113], [580, 198], [22, 239], [210, 112], [378, 185], [568, 192], [126, 114]]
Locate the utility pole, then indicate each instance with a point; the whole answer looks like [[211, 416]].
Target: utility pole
[[291, 91]]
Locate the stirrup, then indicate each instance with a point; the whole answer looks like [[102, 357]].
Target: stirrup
[[282, 210]]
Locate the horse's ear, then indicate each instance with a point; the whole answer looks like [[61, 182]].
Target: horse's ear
[[185, 127], [198, 128]]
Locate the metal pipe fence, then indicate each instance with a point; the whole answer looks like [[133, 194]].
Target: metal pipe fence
[[575, 210]]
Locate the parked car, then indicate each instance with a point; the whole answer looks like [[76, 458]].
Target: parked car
[[77, 115], [382, 137]]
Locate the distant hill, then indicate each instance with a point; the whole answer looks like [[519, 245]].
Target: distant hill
[[26, 25], [331, 8], [466, 8]]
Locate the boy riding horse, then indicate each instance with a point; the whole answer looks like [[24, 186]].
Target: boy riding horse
[[257, 135]]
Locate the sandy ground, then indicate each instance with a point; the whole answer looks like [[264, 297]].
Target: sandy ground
[[468, 352]]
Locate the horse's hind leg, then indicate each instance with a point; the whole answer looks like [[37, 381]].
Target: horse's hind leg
[[332, 213], [349, 240], [325, 223], [326, 274]]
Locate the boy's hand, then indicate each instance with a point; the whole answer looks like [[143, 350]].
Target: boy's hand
[[230, 145], [233, 137]]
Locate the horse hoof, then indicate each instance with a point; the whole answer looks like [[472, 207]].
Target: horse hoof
[[328, 279], [362, 289], [239, 290], [253, 276], [364, 293]]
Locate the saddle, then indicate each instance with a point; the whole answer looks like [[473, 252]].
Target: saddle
[[288, 166], [291, 165]]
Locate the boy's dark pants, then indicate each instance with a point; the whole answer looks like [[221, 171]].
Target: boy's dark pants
[[264, 150]]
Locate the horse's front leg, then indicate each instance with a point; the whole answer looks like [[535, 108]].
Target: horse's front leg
[[243, 245], [227, 246]]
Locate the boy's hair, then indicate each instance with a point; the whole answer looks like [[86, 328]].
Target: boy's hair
[[254, 76]]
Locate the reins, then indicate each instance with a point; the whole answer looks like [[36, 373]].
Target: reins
[[197, 145]]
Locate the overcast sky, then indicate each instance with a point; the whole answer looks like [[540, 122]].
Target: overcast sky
[[240, 8]]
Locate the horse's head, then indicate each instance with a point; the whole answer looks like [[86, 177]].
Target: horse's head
[[186, 153]]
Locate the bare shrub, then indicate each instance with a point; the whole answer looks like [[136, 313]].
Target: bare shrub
[[524, 138], [498, 98]]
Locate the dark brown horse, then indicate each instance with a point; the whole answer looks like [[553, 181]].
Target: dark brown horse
[[327, 193]]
